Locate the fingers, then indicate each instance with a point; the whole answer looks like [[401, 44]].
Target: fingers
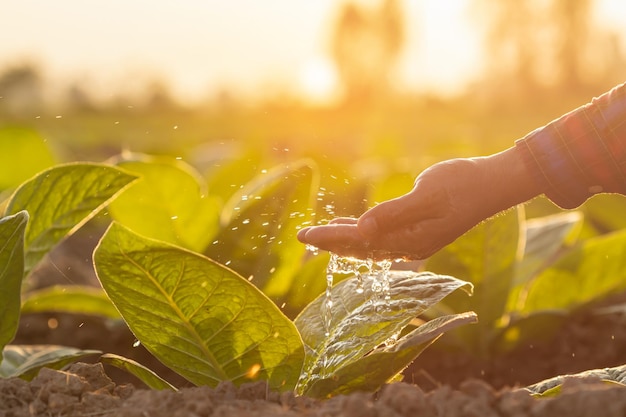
[[341, 238], [413, 242], [399, 212], [343, 220]]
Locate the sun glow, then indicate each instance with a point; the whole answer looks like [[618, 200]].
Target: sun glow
[[318, 81]]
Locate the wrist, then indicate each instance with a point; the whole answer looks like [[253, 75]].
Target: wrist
[[514, 184]]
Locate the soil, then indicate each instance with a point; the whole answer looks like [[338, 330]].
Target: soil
[[440, 382]]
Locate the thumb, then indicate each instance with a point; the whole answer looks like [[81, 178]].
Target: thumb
[[400, 212]]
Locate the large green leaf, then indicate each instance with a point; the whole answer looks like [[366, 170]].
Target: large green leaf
[[70, 299], [146, 375], [23, 153], [11, 273], [62, 199], [25, 361], [196, 316], [486, 256], [361, 322], [170, 203], [594, 269], [260, 222]]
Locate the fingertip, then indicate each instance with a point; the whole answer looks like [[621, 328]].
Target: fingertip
[[302, 234], [368, 226]]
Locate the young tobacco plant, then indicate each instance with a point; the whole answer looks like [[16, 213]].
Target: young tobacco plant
[[197, 316], [528, 275], [39, 214], [209, 324]]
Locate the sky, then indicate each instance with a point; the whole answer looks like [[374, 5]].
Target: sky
[[247, 46]]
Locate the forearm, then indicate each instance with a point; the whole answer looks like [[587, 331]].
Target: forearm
[[582, 153]]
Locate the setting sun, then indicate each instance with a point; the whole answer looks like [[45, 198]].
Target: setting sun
[[318, 80]]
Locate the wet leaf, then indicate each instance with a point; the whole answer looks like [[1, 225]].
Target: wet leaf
[[381, 365], [11, 273], [259, 226], [170, 202], [62, 199], [146, 375], [70, 299], [363, 322], [197, 317], [25, 361]]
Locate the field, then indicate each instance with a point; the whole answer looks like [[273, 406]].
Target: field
[[225, 187]]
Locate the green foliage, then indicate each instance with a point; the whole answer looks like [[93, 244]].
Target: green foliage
[[552, 386], [40, 213], [365, 329], [198, 317], [209, 324], [146, 375], [70, 299], [60, 200], [26, 361], [259, 225], [11, 272], [170, 203], [486, 256], [594, 269], [528, 274]]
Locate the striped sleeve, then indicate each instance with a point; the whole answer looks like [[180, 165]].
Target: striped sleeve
[[581, 153]]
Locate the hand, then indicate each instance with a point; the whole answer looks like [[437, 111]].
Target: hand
[[448, 199]]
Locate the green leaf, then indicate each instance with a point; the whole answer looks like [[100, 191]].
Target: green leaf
[[169, 203], [197, 317], [11, 273], [551, 386], [486, 256], [23, 153], [70, 299], [146, 375], [545, 239], [384, 363], [545, 236], [26, 361], [62, 199], [260, 222], [593, 270], [361, 322]]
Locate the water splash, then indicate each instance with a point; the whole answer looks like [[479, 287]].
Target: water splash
[[374, 272]]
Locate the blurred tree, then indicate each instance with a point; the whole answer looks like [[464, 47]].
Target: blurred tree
[[540, 45], [366, 45], [572, 18], [20, 91], [79, 99]]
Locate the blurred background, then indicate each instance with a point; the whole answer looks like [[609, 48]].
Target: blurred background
[[373, 90]]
